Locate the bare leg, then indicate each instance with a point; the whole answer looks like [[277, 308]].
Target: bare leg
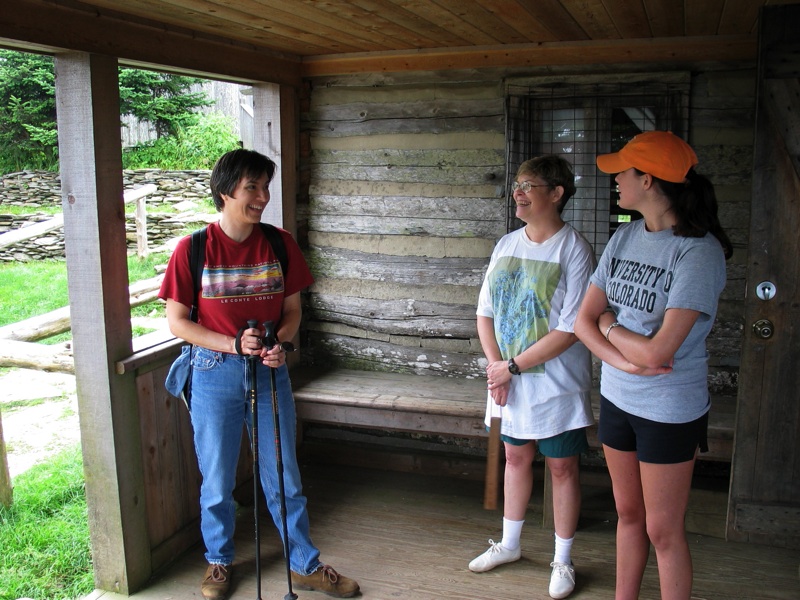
[[518, 483], [633, 544], [666, 496], [518, 480], [565, 474]]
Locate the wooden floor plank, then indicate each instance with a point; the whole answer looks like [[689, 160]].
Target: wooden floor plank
[[411, 536]]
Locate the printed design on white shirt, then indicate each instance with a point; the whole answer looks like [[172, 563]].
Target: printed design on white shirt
[[522, 295]]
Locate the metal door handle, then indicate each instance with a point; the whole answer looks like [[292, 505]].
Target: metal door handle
[[763, 328]]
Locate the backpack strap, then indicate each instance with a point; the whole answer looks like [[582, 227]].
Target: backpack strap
[[197, 259], [278, 247]]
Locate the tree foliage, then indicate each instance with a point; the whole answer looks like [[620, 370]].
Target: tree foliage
[[194, 147], [162, 99], [28, 134]]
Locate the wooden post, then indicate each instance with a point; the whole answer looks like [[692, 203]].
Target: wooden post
[[90, 157], [6, 491], [276, 131], [268, 139], [141, 227], [139, 195]]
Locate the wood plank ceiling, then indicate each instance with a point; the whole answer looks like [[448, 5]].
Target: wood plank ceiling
[[325, 36], [306, 28]]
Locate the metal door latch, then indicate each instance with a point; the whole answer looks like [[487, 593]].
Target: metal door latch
[[766, 290]]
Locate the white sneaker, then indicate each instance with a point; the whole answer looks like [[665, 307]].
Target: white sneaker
[[497, 554], [562, 580]]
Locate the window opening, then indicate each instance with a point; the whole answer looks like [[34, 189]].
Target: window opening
[[579, 120]]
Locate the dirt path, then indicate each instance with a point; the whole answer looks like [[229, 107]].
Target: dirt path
[[40, 411], [40, 416]]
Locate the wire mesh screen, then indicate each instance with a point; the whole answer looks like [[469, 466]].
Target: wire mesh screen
[[578, 121]]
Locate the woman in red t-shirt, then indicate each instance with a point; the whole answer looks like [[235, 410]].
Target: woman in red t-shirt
[[243, 280]]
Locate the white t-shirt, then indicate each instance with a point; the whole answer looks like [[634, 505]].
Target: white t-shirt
[[530, 289]]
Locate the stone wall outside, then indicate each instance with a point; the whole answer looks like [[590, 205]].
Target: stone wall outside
[[177, 189]]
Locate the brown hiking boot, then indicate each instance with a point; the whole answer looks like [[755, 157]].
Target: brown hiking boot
[[217, 582], [325, 579]]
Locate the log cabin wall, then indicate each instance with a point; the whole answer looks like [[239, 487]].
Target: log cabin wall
[[405, 200], [721, 130], [405, 203]]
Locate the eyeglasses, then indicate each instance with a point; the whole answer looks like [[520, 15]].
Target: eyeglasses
[[527, 186]]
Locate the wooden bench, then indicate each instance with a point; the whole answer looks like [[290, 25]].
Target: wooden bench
[[438, 405], [442, 406], [391, 401]]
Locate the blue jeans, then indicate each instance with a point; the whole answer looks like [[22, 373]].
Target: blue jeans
[[220, 406]]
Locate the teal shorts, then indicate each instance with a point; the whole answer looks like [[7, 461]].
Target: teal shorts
[[563, 445]]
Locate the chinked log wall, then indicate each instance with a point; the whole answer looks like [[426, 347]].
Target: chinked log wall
[[405, 203], [405, 179]]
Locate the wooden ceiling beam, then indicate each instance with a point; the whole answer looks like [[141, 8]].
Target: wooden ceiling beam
[[44, 25], [606, 52]]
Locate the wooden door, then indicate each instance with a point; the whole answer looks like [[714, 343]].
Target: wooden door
[[764, 504]]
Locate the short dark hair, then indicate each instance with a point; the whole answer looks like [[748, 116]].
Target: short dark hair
[[555, 171], [232, 167]]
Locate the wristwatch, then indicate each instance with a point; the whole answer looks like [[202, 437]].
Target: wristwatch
[[512, 367]]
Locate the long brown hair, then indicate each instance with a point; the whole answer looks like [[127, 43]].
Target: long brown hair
[[694, 203]]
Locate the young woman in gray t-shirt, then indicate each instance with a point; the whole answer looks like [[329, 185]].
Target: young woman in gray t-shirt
[[648, 310]]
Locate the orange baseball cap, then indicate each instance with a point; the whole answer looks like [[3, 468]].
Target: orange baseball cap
[[660, 153]]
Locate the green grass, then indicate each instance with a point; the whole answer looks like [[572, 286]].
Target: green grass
[[11, 405], [20, 299], [145, 268], [22, 209], [44, 534]]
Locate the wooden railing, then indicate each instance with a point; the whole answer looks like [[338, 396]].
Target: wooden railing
[[139, 195]]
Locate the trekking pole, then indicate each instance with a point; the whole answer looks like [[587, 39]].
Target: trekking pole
[[252, 363], [269, 341]]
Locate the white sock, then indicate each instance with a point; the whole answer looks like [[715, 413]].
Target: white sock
[[512, 530], [563, 550]]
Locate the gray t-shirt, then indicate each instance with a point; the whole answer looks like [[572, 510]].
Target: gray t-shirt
[[643, 274]]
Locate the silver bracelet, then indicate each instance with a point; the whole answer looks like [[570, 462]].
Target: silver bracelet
[[610, 327]]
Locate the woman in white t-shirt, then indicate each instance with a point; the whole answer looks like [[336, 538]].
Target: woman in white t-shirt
[[539, 374]]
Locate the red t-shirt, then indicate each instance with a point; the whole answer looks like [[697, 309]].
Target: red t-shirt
[[241, 280]]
